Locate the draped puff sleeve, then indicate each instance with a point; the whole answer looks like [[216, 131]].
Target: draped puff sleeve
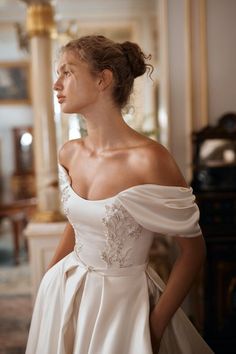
[[165, 210]]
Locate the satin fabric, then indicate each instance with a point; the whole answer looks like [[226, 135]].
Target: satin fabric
[[97, 299]]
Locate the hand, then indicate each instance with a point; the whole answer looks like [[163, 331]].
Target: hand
[[156, 333]]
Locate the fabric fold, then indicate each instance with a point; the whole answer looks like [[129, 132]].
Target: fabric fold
[[169, 211], [180, 335]]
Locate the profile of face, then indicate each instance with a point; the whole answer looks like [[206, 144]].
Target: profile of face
[[95, 71], [77, 87]]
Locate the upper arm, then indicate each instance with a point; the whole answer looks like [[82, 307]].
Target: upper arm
[[193, 249], [62, 154], [66, 152]]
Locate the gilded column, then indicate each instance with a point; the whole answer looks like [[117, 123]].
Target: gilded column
[[40, 24]]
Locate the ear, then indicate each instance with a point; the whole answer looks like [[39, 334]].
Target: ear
[[105, 79]]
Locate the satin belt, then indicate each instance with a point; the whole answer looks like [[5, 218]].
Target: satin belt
[[112, 272]]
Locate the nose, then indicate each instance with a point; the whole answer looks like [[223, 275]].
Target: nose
[[57, 86]]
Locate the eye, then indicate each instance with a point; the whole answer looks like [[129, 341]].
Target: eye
[[66, 73]]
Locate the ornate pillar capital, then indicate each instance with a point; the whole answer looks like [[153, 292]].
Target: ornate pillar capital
[[40, 19]]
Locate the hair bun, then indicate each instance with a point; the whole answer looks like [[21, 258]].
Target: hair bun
[[135, 58]]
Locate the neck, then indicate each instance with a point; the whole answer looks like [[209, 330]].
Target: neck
[[106, 130]]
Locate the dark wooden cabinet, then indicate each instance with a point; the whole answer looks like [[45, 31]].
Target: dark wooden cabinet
[[214, 184]]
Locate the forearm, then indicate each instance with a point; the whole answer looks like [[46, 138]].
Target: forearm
[[179, 283], [65, 246]]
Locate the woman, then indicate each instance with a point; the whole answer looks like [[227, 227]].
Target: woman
[[118, 189]]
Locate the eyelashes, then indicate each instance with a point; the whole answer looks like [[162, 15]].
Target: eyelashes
[[66, 73], [63, 74]]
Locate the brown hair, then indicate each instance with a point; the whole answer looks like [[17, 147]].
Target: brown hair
[[126, 61]]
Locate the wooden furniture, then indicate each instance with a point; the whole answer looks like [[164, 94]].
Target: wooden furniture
[[214, 184], [18, 211]]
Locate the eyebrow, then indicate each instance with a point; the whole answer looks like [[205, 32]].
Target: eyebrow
[[62, 67]]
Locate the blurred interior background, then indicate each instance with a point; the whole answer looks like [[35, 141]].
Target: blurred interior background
[[189, 106]]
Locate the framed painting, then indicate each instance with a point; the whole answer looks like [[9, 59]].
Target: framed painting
[[14, 83]]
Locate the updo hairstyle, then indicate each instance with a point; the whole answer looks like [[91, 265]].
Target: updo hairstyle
[[125, 60]]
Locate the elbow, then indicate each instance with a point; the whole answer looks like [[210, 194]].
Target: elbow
[[199, 252]]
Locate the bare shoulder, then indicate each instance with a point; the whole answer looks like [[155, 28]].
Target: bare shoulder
[[68, 151], [159, 166]]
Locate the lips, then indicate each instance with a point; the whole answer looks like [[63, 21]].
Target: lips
[[60, 98]]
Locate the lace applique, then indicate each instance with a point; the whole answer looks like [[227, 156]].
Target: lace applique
[[65, 194], [120, 227], [65, 190]]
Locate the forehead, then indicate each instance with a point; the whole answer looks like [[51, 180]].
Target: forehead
[[69, 58]]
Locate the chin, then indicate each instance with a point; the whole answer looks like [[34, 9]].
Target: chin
[[68, 110]]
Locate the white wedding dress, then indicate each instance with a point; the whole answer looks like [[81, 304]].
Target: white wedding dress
[[97, 299]]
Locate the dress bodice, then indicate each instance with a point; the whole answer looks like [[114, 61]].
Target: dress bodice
[[118, 231]]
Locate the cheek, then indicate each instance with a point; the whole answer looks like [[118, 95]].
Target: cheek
[[73, 86], [68, 88]]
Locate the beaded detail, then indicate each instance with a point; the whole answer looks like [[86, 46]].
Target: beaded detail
[[78, 244], [120, 228]]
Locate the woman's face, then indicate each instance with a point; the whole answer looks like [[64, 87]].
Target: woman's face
[[77, 88]]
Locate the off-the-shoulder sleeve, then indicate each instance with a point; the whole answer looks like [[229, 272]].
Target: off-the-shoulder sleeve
[[170, 211]]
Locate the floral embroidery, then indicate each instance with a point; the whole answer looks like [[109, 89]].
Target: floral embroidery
[[63, 178], [65, 190], [120, 227], [65, 194]]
